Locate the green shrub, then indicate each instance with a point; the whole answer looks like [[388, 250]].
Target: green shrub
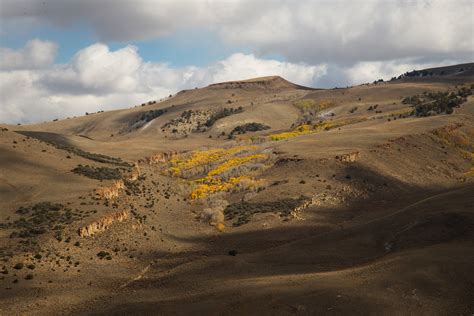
[[103, 254], [98, 173], [146, 117], [18, 266], [249, 127], [74, 150], [243, 211], [428, 104], [221, 114], [41, 218]]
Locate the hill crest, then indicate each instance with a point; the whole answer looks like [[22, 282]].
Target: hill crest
[[266, 83]]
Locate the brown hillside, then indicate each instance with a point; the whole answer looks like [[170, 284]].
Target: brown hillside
[[246, 197]]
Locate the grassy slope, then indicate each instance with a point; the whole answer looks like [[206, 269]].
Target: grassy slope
[[334, 260]]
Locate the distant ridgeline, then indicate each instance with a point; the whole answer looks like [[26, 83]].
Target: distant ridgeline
[[457, 70]]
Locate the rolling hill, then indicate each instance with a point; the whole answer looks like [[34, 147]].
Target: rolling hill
[[246, 197]]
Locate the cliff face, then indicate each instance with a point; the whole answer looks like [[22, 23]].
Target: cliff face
[[103, 224]]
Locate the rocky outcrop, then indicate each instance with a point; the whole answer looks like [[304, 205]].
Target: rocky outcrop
[[350, 157], [190, 121], [111, 192], [160, 158], [103, 224], [134, 174]]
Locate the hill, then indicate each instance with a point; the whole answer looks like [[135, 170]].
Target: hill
[[246, 197]]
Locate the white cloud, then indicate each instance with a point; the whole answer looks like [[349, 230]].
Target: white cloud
[[36, 54], [99, 79], [311, 31], [95, 69], [369, 71]]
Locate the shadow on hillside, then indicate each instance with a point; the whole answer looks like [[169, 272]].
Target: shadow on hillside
[[48, 137], [442, 217], [409, 217], [280, 299]]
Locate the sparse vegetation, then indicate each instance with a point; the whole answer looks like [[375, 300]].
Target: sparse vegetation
[[103, 254], [249, 127], [74, 150], [221, 114], [188, 122], [18, 266], [300, 130], [437, 103], [40, 219], [98, 173], [146, 117], [353, 109], [243, 211]]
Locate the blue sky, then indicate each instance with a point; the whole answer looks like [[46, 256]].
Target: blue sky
[[197, 47], [61, 58]]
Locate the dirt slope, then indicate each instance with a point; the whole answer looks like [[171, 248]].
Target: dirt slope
[[246, 197]]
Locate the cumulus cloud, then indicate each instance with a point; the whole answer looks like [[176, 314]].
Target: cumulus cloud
[[337, 31], [36, 54], [97, 78], [97, 70]]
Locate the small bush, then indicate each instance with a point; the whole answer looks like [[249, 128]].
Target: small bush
[[18, 266], [103, 254], [353, 109]]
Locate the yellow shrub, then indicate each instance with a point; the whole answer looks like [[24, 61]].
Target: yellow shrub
[[197, 158], [470, 172], [220, 227], [205, 189], [310, 104], [219, 161], [233, 162], [301, 130], [305, 104], [325, 104], [327, 125]]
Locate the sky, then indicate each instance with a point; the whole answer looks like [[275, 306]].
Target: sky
[[62, 58]]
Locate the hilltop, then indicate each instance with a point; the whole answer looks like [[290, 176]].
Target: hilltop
[[247, 196]]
